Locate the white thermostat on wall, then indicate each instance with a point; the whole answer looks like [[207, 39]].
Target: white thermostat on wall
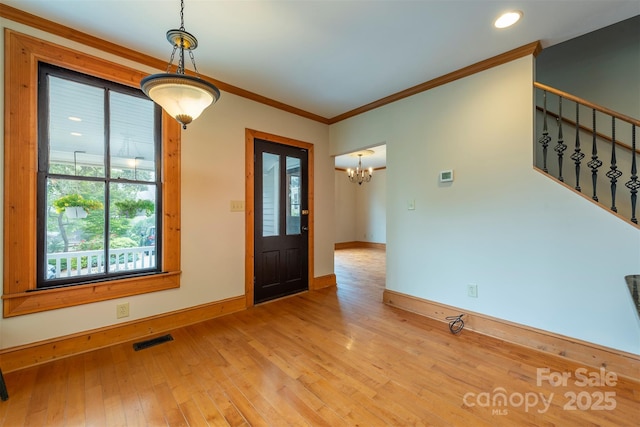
[[446, 176]]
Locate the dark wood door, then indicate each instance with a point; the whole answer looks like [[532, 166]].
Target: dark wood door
[[281, 220]]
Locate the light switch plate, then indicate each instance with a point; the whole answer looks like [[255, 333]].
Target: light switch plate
[[237, 206]]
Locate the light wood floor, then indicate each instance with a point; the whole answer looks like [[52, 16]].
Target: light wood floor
[[326, 358]]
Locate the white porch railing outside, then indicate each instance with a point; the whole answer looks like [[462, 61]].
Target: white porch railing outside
[[83, 263]]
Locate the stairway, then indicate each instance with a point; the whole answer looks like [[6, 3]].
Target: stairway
[[590, 149]]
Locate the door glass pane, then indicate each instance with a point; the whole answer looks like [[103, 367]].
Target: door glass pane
[[294, 183], [132, 138], [76, 128], [75, 228], [270, 194]]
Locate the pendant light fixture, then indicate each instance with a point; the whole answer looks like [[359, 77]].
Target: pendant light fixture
[[183, 97]]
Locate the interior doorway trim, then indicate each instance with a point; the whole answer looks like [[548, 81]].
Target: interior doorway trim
[[250, 135]]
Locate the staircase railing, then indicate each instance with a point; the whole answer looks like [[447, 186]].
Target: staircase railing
[[604, 139]]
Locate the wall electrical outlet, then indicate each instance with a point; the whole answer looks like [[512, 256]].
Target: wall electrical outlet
[[472, 290], [122, 310]]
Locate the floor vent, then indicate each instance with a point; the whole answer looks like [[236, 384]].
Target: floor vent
[[150, 343]]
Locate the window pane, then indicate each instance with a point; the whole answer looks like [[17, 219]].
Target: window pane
[[74, 228], [132, 138], [294, 181], [270, 194], [132, 227], [76, 128], [87, 120]]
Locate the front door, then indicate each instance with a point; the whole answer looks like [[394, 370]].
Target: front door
[[281, 220]]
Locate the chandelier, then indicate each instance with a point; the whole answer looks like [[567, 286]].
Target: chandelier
[[359, 174], [183, 97]]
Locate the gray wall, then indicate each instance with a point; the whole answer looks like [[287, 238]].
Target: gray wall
[[602, 67]]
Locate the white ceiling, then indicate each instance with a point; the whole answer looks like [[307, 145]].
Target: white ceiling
[[374, 157], [328, 57]]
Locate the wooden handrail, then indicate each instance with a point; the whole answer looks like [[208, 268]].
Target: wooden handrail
[[588, 130], [588, 104]]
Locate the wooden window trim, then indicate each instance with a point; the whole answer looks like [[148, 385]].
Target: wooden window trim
[[22, 55]]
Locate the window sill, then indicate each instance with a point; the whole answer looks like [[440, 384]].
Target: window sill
[[49, 299]]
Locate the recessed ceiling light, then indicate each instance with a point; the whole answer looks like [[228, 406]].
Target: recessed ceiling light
[[508, 19], [76, 134], [75, 119]]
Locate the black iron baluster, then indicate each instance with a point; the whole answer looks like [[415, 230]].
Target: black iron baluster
[[560, 146], [613, 174], [4, 394], [545, 138], [633, 184], [577, 155], [595, 163]]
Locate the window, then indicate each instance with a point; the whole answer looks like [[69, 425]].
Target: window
[[98, 179], [130, 236]]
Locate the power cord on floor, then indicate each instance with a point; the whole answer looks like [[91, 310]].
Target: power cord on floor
[[456, 323]]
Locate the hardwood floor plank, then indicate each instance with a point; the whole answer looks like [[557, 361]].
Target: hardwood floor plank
[[213, 402], [245, 407], [208, 409], [94, 405], [332, 357], [20, 386], [299, 404], [170, 407], [36, 418], [125, 373], [250, 381], [40, 396], [153, 413], [340, 401], [75, 408], [227, 408], [114, 411], [330, 415], [58, 400], [192, 414]]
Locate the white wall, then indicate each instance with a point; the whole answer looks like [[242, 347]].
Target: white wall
[[540, 255], [360, 210], [345, 208], [371, 209], [213, 157]]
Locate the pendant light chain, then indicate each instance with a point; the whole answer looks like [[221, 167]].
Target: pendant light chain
[[180, 69], [171, 60], [181, 58], [193, 60], [182, 15]]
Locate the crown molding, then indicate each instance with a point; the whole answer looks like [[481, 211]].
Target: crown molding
[[37, 22], [529, 49]]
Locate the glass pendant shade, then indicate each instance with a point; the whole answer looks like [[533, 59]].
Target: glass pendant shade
[[182, 97]]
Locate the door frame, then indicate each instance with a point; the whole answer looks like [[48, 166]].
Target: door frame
[[249, 256]]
